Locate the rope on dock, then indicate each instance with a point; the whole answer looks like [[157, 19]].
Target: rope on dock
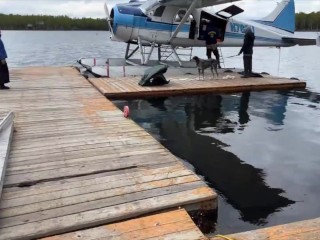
[[224, 237]]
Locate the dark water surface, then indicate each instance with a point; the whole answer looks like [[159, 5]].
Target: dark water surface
[[259, 150]]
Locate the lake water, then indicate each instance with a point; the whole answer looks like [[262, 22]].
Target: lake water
[[259, 150]]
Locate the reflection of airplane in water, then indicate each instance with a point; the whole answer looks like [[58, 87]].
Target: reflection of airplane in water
[[242, 184], [178, 126]]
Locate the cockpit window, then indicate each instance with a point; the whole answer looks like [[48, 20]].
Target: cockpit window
[[159, 11], [130, 10]]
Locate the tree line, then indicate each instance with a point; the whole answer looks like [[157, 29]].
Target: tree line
[[308, 22], [304, 22], [40, 22]]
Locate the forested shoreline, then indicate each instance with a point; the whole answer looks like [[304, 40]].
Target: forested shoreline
[[39, 22], [308, 22], [304, 22]]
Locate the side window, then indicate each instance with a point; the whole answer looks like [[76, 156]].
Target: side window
[[159, 11], [180, 14]]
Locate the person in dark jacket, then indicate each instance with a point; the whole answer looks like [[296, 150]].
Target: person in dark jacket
[[247, 50], [211, 43], [4, 71]]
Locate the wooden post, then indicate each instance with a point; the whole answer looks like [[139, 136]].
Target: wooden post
[[108, 69]]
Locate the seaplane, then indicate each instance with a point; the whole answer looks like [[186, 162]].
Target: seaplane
[[173, 24]]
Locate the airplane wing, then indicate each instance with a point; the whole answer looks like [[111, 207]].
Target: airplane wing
[[150, 4], [302, 41]]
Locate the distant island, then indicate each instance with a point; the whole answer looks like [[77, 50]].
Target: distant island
[[304, 22]]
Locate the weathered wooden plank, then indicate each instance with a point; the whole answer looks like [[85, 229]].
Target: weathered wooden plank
[[56, 154], [51, 192], [62, 189], [57, 209], [135, 159], [77, 131], [177, 230], [71, 158], [66, 125], [76, 139], [91, 200], [303, 230], [73, 171], [157, 223], [62, 184], [106, 215], [191, 234]]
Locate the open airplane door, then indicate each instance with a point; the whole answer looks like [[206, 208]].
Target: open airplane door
[[217, 21], [229, 12]]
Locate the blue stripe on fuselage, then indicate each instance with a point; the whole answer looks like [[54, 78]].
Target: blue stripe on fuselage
[[133, 21]]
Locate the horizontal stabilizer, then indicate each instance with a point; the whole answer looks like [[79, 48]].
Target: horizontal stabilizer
[[301, 41]]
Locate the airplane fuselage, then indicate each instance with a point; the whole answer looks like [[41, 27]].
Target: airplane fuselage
[[129, 23]]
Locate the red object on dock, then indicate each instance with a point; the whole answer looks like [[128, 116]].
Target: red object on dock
[[126, 111]]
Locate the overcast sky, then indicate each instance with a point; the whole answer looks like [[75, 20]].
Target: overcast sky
[[94, 8]]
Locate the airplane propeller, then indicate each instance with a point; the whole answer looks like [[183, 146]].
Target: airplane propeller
[[108, 18]]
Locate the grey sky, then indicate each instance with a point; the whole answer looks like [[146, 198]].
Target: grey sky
[[94, 8]]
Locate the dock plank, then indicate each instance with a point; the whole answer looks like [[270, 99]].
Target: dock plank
[[101, 216], [303, 230], [169, 225], [94, 186], [75, 161], [102, 199]]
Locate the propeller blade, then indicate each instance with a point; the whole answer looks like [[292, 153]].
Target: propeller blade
[[108, 18], [106, 10]]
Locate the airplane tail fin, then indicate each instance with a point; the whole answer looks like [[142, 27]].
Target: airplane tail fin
[[282, 17]]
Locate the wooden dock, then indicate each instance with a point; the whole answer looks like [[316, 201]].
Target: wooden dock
[[303, 230], [127, 87], [75, 161]]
